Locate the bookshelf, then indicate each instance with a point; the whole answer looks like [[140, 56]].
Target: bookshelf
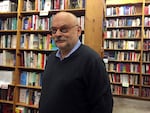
[[126, 48], [8, 36], [25, 43]]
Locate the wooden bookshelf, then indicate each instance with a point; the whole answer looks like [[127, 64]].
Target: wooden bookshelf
[[92, 32], [128, 67]]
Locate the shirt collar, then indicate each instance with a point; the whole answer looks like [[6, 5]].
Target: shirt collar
[[73, 50]]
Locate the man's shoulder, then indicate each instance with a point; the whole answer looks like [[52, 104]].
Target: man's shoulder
[[89, 51], [52, 54]]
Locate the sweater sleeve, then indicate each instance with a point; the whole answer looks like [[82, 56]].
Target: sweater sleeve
[[98, 88]]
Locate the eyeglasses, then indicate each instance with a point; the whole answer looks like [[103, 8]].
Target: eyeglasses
[[63, 29]]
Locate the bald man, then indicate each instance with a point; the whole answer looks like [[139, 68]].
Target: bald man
[[75, 79]]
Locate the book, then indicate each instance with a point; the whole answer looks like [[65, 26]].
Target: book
[[10, 93], [73, 4], [13, 41], [131, 45], [37, 95], [6, 6], [56, 4], [23, 78], [23, 95], [6, 77], [20, 109], [47, 5], [6, 108]]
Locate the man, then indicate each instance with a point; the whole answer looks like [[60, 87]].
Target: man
[[75, 79]]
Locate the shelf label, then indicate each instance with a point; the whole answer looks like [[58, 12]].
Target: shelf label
[[44, 13]]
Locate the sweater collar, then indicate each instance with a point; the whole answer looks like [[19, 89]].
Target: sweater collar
[[73, 50]]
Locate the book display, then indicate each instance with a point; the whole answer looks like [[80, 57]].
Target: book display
[[26, 41], [126, 47]]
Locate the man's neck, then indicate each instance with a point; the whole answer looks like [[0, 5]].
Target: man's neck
[[64, 53]]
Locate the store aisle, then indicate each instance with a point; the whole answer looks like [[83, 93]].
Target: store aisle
[[125, 105]]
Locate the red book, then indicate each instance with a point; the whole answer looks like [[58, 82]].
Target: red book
[[146, 10], [56, 4]]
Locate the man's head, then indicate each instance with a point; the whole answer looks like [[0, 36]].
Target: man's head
[[65, 30]]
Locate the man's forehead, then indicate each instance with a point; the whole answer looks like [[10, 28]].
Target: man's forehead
[[61, 22], [61, 25]]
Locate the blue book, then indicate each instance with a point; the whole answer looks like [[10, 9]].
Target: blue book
[[129, 22], [23, 78], [54, 47], [25, 23]]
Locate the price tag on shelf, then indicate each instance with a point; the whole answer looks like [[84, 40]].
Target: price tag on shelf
[[125, 84], [43, 13]]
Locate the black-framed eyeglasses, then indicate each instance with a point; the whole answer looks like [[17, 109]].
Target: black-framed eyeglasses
[[63, 29]]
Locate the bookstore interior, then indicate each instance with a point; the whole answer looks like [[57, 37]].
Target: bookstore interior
[[119, 31]]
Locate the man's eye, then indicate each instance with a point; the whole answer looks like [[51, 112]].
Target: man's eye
[[54, 31], [64, 30]]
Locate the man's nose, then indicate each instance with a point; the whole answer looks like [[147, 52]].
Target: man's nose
[[58, 32]]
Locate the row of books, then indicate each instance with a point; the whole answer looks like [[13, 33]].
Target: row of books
[[128, 67], [123, 56], [146, 45], [7, 58], [37, 41], [119, 90], [8, 23], [123, 22], [32, 59], [36, 22], [125, 33], [146, 57], [8, 41], [121, 10], [122, 33], [147, 34], [7, 94], [29, 96], [21, 109], [48, 5], [6, 108], [146, 80], [146, 68], [145, 92], [122, 44], [124, 67], [30, 41], [30, 78], [124, 78]]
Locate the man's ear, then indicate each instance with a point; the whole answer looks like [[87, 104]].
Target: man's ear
[[79, 29]]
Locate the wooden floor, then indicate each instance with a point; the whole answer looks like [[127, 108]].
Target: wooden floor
[[125, 105]]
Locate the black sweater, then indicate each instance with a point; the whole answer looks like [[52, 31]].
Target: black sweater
[[77, 84]]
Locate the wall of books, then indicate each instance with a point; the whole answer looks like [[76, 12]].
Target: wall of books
[[26, 41], [126, 47]]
